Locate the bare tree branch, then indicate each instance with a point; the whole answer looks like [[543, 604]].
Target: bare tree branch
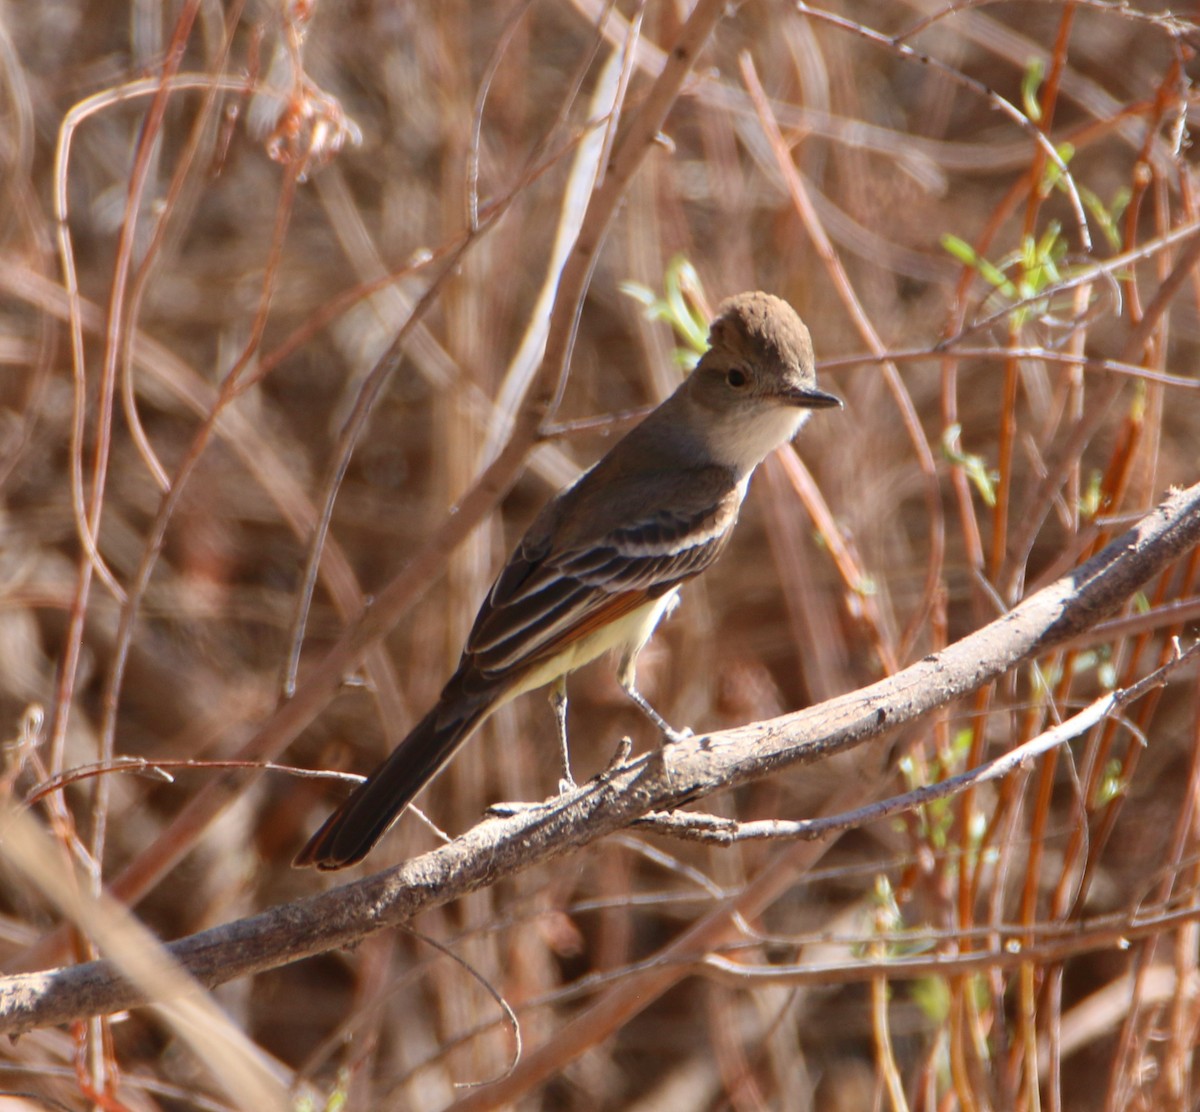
[[697, 827], [500, 847]]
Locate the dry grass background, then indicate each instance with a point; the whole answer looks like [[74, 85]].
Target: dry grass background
[[192, 261]]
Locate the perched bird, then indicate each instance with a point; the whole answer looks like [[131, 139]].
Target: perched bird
[[603, 561]]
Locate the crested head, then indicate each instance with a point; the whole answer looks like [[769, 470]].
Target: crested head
[[753, 388], [759, 351], [766, 329]]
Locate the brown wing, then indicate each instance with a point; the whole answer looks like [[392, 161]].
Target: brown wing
[[545, 598]]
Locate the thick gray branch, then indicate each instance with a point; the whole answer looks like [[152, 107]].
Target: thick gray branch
[[660, 781]]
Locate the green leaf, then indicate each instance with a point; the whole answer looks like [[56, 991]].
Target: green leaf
[[678, 307], [1031, 83], [977, 471], [1111, 785]]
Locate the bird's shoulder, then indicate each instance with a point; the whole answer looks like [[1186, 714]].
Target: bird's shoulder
[[595, 521], [609, 506]]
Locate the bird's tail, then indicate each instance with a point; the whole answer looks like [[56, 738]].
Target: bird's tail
[[349, 833]]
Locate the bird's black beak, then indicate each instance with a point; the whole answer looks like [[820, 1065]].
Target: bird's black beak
[[811, 397]]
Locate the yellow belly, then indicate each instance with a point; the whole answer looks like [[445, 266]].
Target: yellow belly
[[628, 634]]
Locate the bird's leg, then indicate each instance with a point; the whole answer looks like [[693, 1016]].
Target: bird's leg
[[566, 784], [627, 678], [558, 700]]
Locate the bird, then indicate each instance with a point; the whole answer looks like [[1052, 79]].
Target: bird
[[603, 561]]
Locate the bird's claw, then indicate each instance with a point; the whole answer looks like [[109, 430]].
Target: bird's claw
[[674, 737]]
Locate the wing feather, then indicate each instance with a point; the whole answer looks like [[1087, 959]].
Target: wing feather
[[544, 599]]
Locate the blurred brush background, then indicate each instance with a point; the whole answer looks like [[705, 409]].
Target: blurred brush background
[[239, 246]]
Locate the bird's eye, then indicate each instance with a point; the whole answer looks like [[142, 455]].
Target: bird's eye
[[736, 378]]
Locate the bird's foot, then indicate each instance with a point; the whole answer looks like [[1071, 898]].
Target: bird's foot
[[674, 737], [507, 809], [566, 789]]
